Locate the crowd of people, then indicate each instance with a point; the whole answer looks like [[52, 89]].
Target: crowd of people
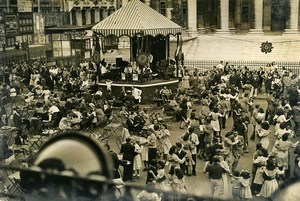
[[225, 92], [35, 96]]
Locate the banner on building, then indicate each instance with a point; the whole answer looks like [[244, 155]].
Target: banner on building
[[24, 5], [11, 24], [39, 30]]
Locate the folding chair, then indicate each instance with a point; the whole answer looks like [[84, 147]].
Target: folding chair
[[113, 127], [20, 150], [14, 180], [35, 142]]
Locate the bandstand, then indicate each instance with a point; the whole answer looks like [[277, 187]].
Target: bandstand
[[149, 35]]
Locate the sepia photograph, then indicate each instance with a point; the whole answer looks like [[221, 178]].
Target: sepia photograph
[[149, 100]]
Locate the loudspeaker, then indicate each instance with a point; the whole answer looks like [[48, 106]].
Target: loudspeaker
[[119, 62]]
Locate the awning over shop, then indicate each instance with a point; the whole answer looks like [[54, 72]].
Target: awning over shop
[[136, 17]]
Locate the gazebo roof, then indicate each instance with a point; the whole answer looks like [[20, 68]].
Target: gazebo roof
[[136, 17]]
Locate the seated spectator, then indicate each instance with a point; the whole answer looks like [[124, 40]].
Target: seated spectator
[[139, 120], [20, 139], [65, 123], [108, 111], [38, 89], [101, 117], [145, 115], [86, 121], [165, 94], [40, 112], [123, 114], [133, 122], [156, 96]]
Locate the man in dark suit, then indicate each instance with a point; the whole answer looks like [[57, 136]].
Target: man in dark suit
[[127, 149], [181, 154], [261, 75], [116, 161]]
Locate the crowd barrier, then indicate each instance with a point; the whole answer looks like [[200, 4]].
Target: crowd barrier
[[204, 65]]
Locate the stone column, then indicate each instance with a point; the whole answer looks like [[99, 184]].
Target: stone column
[[78, 17], [88, 16], [192, 18], [258, 19], [224, 8], [97, 15], [293, 21], [169, 9], [71, 18]]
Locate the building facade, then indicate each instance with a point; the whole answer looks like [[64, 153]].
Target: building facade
[[227, 16], [26, 20]]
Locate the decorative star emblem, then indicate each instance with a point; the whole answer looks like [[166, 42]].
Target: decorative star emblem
[[266, 47]]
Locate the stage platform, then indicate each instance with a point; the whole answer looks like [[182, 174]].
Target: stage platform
[[147, 87]]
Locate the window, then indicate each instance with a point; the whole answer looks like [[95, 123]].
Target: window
[[184, 7], [163, 8], [245, 14], [92, 16]]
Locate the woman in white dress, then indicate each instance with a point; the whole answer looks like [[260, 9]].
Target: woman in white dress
[[137, 163], [215, 123], [225, 166], [282, 147], [144, 150], [270, 184], [259, 162], [279, 118], [263, 134], [165, 140]]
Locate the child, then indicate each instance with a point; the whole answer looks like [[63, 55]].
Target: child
[[236, 185], [245, 185]]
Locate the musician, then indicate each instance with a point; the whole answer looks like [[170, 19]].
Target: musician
[[148, 73], [134, 68], [128, 72]]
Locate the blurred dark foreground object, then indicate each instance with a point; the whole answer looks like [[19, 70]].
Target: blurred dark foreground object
[[68, 166]]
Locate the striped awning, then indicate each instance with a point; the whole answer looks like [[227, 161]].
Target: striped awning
[[136, 17]]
